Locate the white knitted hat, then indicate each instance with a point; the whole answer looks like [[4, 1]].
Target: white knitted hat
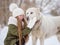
[[16, 11], [12, 6]]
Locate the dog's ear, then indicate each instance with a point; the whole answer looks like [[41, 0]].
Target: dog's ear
[[38, 13], [38, 9]]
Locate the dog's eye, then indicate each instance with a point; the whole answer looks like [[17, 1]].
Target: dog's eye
[[31, 13], [27, 13]]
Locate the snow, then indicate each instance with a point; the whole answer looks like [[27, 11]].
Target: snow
[[50, 41], [3, 34]]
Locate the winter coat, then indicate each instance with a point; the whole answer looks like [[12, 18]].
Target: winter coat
[[12, 36]]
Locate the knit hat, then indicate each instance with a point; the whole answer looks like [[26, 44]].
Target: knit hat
[[16, 11], [12, 6]]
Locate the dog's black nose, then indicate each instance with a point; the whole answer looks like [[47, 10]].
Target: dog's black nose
[[27, 18]]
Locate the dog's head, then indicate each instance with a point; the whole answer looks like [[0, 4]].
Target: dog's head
[[33, 12]]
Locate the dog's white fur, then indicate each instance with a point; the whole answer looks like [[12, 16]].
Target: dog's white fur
[[46, 27]]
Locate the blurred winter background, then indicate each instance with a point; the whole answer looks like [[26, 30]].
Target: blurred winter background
[[47, 7]]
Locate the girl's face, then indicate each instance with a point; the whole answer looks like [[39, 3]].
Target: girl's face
[[21, 17]]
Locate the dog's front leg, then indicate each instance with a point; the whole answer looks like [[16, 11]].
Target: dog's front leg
[[34, 40], [42, 41], [58, 36]]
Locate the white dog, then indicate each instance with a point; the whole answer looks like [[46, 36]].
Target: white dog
[[43, 26]]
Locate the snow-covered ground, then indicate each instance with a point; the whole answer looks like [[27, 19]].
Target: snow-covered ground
[[50, 41], [3, 34]]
